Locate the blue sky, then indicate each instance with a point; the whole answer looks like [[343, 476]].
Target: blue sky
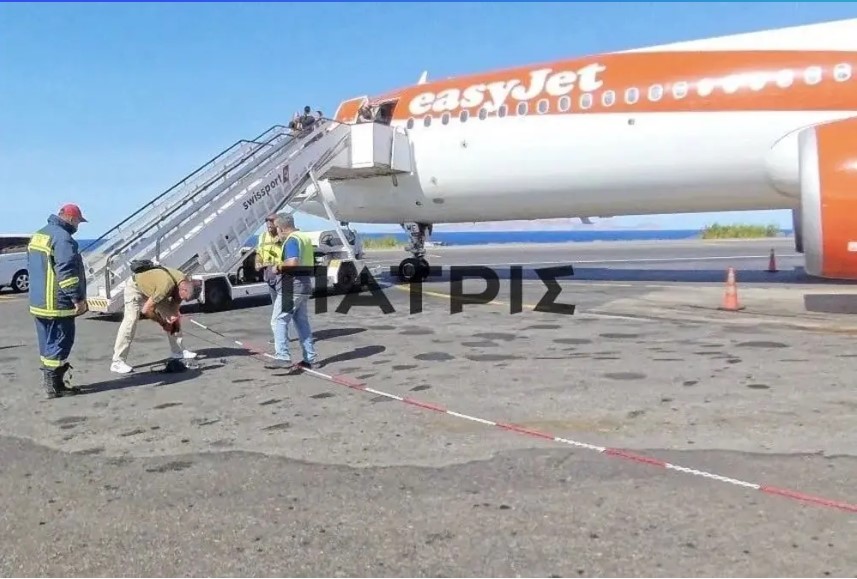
[[107, 105]]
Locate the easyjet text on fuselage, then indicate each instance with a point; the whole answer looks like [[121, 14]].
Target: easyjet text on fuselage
[[492, 95]]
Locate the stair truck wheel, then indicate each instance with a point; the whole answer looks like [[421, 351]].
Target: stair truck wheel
[[347, 278], [218, 298]]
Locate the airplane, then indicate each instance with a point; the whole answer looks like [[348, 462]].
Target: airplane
[[758, 121]]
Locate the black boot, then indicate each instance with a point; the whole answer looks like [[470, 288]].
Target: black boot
[[49, 382], [63, 384]]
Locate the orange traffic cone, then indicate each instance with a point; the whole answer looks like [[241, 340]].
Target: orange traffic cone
[[730, 299], [772, 263]]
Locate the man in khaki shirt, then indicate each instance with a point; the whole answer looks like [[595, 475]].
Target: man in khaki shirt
[[157, 294]]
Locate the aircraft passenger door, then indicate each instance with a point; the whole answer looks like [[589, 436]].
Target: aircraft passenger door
[[384, 112]]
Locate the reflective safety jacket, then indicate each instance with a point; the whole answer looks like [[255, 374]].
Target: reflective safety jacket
[[55, 267], [302, 275], [269, 249], [307, 250]]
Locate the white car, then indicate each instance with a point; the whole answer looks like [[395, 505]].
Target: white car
[[13, 262]]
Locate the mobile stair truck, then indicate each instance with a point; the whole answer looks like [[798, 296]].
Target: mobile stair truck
[[200, 225]]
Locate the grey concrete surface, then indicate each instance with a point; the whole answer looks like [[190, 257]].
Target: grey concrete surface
[[232, 469]]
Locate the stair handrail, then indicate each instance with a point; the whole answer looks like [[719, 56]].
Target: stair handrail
[[202, 167], [191, 197]]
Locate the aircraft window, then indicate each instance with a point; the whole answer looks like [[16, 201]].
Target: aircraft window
[[631, 95], [680, 90], [543, 106], [427, 121], [842, 72], [586, 100], [731, 84], [411, 123], [445, 118], [705, 87], [656, 91], [483, 114], [564, 103], [812, 75], [785, 78], [522, 108], [501, 112], [608, 98], [758, 81], [463, 116]]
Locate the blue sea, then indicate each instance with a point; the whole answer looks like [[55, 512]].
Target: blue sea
[[486, 237]]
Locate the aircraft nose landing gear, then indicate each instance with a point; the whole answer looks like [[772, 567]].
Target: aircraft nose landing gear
[[416, 268], [413, 269]]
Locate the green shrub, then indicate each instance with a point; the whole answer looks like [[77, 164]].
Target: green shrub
[[739, 231], [387, 242]]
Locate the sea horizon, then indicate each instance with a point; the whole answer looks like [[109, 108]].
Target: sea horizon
[[530, 236]]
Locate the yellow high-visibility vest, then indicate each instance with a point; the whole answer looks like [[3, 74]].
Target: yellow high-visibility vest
[[269, 249], [307, 250]]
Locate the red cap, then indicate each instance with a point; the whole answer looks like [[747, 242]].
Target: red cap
[[72, 210]]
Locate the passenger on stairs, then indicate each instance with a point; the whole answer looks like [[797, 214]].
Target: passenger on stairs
[[365, 114], [157, 293], [306, 121], [295, 124]]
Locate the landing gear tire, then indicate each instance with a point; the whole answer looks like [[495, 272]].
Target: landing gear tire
[[416, 268], [413, 270], [409, 269]]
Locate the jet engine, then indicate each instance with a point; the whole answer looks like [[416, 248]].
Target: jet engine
[[828, 199]]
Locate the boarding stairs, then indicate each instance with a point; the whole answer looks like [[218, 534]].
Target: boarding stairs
[[201, 224]]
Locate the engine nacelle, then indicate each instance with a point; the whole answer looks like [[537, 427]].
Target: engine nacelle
[[828, 199]]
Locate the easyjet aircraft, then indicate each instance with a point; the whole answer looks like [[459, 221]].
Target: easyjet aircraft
[[765, 120]]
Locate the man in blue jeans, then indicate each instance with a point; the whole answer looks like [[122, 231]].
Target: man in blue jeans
[[294, 289]]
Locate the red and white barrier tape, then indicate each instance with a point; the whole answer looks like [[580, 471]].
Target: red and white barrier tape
[[354, 384]]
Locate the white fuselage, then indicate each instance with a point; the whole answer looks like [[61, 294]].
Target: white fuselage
[[553, 166], [541, 167]]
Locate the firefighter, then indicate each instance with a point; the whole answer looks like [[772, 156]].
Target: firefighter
[[57, 294]]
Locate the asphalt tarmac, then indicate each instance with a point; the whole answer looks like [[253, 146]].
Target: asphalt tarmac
[[230, 469]]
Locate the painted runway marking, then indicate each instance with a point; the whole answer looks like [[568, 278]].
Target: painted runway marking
[[355, 384]]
